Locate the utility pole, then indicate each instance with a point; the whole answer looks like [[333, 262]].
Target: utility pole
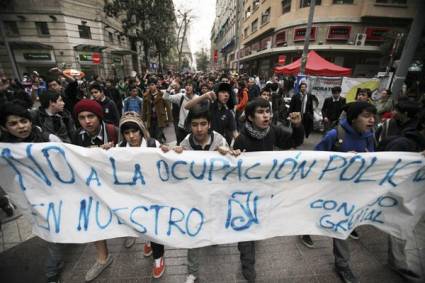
[[184, 25], [409, 48], [307, 37]]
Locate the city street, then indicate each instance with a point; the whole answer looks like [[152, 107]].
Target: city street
[[281, 259]]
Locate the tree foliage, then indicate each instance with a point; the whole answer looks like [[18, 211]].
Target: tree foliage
[[150, 22], [202, 60]]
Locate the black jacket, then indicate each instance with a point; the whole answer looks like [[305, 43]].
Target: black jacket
[[277, 136], [295, 106], [61, 125], [110, 111], [332, 110]]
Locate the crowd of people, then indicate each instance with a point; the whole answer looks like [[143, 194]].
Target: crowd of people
[[227, 113]]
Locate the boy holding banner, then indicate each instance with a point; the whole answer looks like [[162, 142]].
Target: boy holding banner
[[259, 134], [95, 132], [135, 134], [201, 138], [17, 126], [353, 134]]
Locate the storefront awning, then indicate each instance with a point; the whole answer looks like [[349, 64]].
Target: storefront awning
[[123, 52], [88, 47], [29, 45]]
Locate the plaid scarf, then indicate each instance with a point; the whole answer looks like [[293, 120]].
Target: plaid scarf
[[255, 132]]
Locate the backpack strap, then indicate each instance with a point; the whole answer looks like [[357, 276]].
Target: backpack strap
[[151, 142], [112, 132], [340, 135]]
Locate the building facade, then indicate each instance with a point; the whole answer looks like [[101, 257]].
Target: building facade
[[69, 34], [225, 34], [349, 33]]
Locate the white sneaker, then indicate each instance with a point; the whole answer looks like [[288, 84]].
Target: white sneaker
[[190, 278], [97, 269]]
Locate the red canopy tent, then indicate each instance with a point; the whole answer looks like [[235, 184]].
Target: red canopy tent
[[316, 66]]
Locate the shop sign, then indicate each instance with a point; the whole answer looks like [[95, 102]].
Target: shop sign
[[37, 56]]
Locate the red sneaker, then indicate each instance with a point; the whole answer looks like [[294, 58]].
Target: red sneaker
[[147, 249], [158, 267]]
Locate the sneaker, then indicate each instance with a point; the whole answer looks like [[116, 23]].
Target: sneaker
[[129, 242], [307, 241], [97, 268], [8, 207], [158, 267], [354, 235], [190, 278], [54, 279], [346, 275], [407, 274], [147, 249]]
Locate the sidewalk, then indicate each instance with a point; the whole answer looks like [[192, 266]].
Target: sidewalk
[[281, 259]]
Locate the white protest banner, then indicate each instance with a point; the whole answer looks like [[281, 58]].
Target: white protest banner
[[193, 199], [350, 85], [321, 87]]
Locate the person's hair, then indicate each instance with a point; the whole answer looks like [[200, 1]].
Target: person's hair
[[365, 90], [254, 104], [336, 89], [354, 109], [303, 83], [267, 88], [198, 112], [96, 85], [130, 125], [14, 107], [204, 85], [152, 80], [53, 80], [408, 106], [47, 96]]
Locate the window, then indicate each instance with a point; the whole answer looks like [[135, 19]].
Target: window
[[42, 28], [266, 43], [265, 17], [281, 38], [254, 26], [306, 3], [255, 4], [255, 46], [11, 28], [343, 1], [299, 34], [286, 6], [393, 2], [248, 12], [339, 33], [375, 34], [84, 31], [111, 37]]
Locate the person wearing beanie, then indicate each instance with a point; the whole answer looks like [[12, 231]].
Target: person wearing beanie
[[135, 134], [353, 134], [110, 110], [95, 132], [221, 105]]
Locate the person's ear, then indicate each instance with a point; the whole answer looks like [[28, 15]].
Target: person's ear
[[4, 129]]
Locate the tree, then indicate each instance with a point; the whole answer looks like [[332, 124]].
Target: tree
[[202, 60], [150, 22], [186, 18]]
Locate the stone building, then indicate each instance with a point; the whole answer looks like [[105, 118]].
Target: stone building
[[349, 33], [70, 34]]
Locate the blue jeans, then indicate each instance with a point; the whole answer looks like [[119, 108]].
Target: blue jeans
[[54, 258]]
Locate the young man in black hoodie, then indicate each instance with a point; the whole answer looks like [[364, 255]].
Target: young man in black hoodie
[[258, 134], [16, 125]]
